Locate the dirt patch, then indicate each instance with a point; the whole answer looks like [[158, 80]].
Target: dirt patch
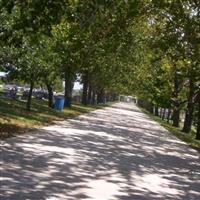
[[10, 130]]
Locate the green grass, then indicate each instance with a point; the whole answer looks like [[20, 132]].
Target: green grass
[[15, 119], [188, 138]]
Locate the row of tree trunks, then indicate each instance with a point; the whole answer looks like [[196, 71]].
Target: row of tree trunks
[[30, 94], [90, 95], [165, 113], [162, 113], [192, 100], [69, 84], [176, 117]]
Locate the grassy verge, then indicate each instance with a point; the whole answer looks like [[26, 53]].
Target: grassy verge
[[14, 119], [188, 138]]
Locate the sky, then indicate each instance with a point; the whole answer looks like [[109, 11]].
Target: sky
[[2, 74], [78, 86]]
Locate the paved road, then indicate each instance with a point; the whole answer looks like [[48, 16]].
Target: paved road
[[116, 153]]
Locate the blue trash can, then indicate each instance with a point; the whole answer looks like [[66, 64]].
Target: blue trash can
[[59, 103]]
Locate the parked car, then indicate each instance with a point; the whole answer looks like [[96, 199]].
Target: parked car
[[40, 93]]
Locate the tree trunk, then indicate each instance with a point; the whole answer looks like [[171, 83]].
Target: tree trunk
[[113, 97], [156, 111], [176, 103], [198, 118], [69, 84], [198, 124], [93, 97], [163, 114], [89, 96], [28, 104], [100, 96], [176, 117], [161, 111], [149, 106], [85, 89], [108, 97], [168, 115], [190, 109], [50, 95]]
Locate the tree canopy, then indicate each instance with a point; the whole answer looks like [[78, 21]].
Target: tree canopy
[[148, 48]]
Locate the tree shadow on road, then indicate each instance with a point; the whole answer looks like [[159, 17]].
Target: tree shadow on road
[[107, 154]]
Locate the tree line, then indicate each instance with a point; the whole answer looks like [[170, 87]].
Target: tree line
[[41, 41], [171, 80]]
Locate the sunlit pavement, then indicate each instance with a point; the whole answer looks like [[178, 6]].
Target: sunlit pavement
[[116, 153]]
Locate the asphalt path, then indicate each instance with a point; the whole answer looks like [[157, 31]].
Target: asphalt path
[[116, 153]]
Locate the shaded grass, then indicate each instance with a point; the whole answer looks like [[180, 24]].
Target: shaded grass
[[15, 119], [189, 138]]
